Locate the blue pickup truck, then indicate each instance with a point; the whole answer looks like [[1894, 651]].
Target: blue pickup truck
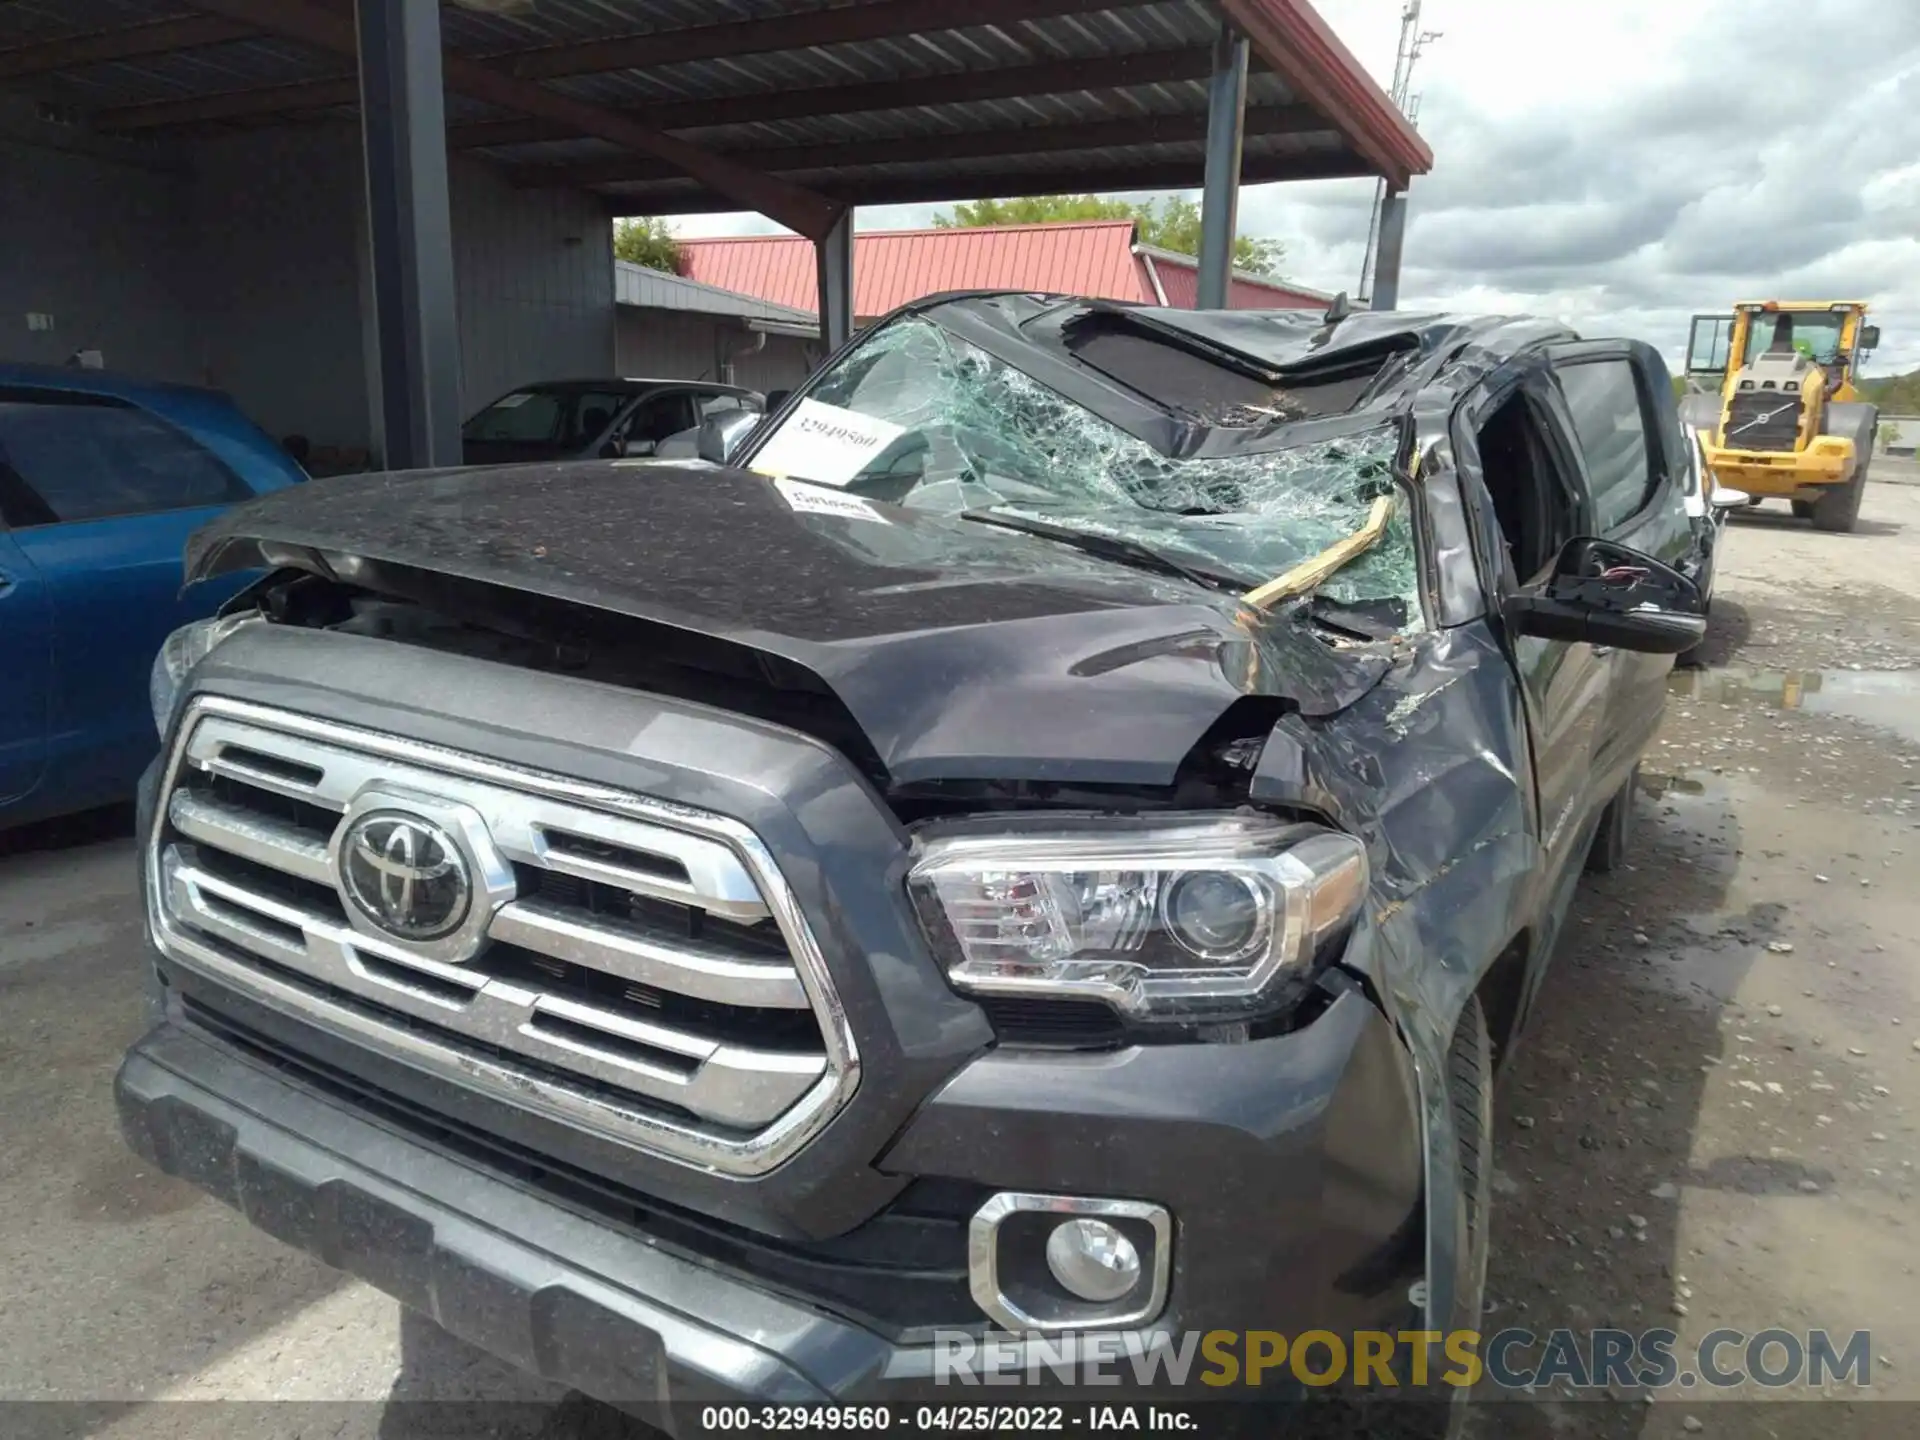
[[102, 478]]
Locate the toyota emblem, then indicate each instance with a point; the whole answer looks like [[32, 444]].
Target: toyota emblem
[[406, 875]]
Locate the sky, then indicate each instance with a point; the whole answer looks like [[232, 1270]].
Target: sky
[[1623, 166]]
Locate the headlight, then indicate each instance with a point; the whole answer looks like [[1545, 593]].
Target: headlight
[[181, 651], [1167, 920]]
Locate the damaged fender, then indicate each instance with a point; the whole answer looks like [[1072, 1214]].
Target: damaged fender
[[1438, 751]]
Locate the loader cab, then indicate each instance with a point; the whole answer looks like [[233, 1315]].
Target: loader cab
[[1833, 335]]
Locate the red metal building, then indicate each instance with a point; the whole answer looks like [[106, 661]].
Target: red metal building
[[891, 267]]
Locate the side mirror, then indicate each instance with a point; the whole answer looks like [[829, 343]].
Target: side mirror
[[639, 447], [1601, 593], [1869, 337], [1724, 499], [713, 444], [776, 398]]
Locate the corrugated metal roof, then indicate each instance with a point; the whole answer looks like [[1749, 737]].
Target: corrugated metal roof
[[1035, 112], [965, 48], [891, 267], [259, 80], [657, 290]]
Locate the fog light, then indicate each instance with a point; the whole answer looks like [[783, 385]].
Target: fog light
[[1055, 1263], [1092, 1260]]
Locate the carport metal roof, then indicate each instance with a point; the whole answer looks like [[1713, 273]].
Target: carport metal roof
[[797, 108]]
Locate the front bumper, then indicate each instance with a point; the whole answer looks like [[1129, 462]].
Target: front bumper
[[1784, 475], [1293, 1177]]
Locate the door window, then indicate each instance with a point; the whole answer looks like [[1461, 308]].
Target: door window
[[1709, 344], [591, 417], [1603, 397], [67, 459], [659, 416], [526, 417], [714, 406], [567, 418], [1533, 503]]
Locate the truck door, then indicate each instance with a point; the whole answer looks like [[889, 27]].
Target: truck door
[[1528, 465], [1618, 398], [26, 644]]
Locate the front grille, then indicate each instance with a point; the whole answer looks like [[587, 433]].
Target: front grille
[[634, 967], [1763, 420]]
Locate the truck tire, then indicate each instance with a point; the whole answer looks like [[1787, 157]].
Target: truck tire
[[1802, 509], [1836, 511], [1441, 1412], [1615, 833], [1470, 1088], [1470, 1091]]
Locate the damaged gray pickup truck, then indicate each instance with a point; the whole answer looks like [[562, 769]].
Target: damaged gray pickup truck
[[1054, 835]]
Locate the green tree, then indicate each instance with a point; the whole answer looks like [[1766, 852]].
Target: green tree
[[1897, 394], [647, 241], [1172, 224]]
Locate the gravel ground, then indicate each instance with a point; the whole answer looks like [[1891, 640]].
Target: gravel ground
[[1712, 1121], [1711, 1124]]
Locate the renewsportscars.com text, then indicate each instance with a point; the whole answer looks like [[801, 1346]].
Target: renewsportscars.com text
[[1512, 1359]]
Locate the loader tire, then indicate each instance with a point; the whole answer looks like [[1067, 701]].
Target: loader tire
[[1836, 510]]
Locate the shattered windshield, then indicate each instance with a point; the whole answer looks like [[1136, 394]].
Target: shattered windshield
[[918, 416]]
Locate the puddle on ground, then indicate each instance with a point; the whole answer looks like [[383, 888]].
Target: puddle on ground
[[1657, 785], [1885, 699]]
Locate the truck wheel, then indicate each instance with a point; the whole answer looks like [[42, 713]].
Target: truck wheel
[[1836, 510], [1610, 841], [1802, 509]]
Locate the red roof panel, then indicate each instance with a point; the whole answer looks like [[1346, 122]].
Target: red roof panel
[[891, 267], [1181, 282]]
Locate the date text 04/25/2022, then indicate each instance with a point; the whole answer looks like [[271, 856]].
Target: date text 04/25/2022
[[945, 1419]]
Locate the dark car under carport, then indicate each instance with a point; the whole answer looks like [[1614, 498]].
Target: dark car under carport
[[594, 419]]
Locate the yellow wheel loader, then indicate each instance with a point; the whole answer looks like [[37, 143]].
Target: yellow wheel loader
[[1782, 419]]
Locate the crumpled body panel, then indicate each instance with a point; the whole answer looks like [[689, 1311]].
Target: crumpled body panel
[[1433, 770]]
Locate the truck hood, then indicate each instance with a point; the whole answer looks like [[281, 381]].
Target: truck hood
[[961, 650]]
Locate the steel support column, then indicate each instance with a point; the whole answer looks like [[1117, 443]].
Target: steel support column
[[404, 134], [1386, 265], [833, 255], [1226, 129]]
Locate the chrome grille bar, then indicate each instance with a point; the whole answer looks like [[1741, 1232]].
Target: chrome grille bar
[[250, 836], [244, 889], [746, 1091], [688, 969], [523, 826]]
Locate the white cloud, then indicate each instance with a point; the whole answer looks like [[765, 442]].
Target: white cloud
[[1622, 166]]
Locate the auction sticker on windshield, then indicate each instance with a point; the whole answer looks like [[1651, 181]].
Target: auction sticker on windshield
[[825, 444], [816, 500]]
